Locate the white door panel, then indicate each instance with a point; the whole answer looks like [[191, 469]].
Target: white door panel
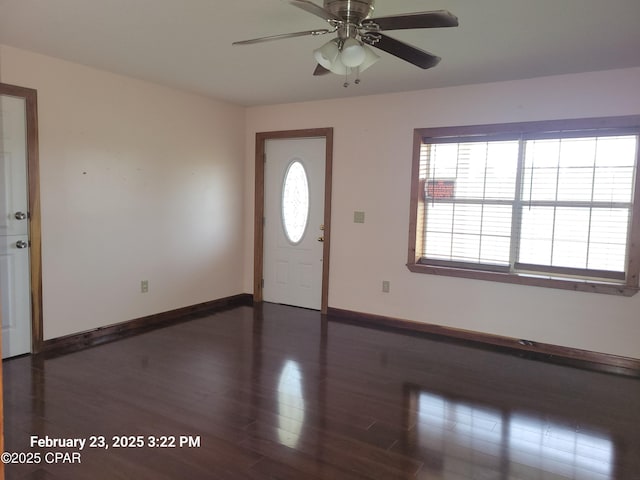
[[14, 228], [13, 165], [293, 269], [16, 299]]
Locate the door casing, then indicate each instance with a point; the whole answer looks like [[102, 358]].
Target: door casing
[[33, 187], [258, 256]]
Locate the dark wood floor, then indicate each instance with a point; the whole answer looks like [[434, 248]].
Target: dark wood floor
[[277, 393]]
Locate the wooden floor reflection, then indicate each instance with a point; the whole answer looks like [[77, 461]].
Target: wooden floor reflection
[[276, 392]]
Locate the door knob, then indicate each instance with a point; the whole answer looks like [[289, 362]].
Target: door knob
[[20, 216], [321, 239], [21, 244]]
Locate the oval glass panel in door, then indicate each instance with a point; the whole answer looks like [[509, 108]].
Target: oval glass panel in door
[[295, 202]]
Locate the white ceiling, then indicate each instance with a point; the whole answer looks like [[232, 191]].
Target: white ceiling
[[187, 43]]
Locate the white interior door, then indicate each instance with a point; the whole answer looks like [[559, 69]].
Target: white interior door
[[14, 228], [294, 179]]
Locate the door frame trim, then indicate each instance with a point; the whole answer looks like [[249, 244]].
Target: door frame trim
[[33, 185], [258, 254]]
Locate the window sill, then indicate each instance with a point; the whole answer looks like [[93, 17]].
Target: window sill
[[576, 285]]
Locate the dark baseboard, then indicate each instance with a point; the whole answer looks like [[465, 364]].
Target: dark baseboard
[[91, 338], [600, 362]]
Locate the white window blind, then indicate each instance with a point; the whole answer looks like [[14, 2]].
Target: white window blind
[[558, 204]]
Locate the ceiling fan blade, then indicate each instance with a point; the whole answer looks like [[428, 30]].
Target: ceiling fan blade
[[281, 36], [435, 19], [320, 70], [314, 9], [402, 50]]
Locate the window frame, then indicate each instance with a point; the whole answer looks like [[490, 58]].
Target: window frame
[[561, 128]]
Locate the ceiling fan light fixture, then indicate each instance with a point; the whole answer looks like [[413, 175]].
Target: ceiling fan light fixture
[[327, 54], [352, 53]]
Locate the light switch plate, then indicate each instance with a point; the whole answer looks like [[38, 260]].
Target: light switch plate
[[358, 217]]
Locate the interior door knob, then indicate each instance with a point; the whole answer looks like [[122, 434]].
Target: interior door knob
[[21, 244], [20, 216], [321, 239]]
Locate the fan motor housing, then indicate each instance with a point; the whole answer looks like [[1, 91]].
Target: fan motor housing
[[351, 11]]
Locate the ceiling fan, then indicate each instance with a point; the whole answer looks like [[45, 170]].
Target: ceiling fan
[[356, 32]]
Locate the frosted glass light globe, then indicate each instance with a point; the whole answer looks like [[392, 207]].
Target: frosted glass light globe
[[371, 58], [340, 68], [353, 53], [327, 54]]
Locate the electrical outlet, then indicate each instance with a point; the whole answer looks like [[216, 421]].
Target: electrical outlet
[[144, 286], [358, 217], [386, 286]]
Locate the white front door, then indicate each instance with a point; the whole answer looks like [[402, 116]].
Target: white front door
[[14, 228], [294, 179]]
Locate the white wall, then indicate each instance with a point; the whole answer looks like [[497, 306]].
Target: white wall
[[138, 181], [371, 172]]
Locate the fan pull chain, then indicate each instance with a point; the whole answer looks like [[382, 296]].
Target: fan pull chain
[[357, 80]]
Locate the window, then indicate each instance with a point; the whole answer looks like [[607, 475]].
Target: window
[[295, 202], [544, 203]]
